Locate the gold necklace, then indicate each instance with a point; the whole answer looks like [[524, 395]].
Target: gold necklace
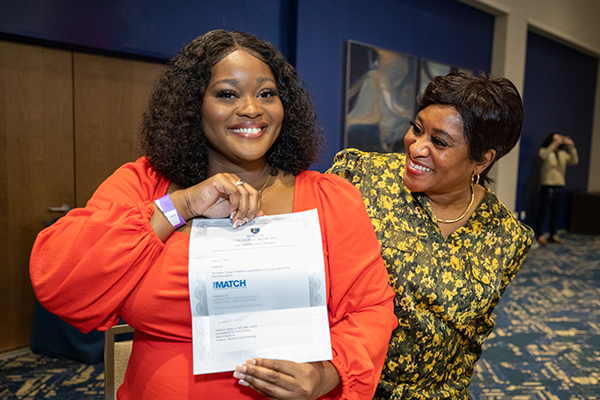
[[265, 185], [450, 221]]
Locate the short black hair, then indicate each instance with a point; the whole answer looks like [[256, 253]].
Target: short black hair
[[491, 109], [172, 135]]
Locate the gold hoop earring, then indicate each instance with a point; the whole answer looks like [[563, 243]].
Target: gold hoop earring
[[476, 178]]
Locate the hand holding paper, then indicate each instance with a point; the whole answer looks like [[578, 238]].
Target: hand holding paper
[[288, 380]]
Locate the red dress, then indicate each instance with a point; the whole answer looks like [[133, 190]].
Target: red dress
[[105, 260]]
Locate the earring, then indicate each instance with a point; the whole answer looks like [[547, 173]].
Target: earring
[[475, 178]]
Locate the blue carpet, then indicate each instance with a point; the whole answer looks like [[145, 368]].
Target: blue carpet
[[35, 376], [546, 344]]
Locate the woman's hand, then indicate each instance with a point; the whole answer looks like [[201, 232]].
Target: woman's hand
[[219, 197], [216, 197], [281, 379], [568, 141]]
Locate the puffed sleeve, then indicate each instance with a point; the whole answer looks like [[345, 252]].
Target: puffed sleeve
[[83, 266], [360, 304], [345, 164], [521, 241]]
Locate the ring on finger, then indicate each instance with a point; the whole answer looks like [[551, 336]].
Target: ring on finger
[[239, 183]]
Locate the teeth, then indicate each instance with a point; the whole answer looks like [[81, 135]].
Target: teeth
[[419, 167], [247, 130]]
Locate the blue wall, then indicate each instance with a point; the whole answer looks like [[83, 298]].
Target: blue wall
[[559, 82], [152, 28], [439, 30], [559, 93], [313, 38]]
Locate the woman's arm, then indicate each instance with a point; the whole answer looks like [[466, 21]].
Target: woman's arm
[[573, 156], [84, 265], [482, 325], [217, 197]]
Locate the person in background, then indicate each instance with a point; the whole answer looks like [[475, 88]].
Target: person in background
[[450, 246], [557, 152], [229, 132]]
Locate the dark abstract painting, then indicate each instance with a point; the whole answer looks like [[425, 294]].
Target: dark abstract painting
[[381, 87]]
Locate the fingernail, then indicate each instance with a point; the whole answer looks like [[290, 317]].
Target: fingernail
[[236, 224], [238, 374], [232, 214], [243, 382]]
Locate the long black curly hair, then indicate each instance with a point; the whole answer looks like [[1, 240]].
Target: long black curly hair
[[172, 135]]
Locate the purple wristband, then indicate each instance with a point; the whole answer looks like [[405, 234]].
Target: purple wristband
[[165, 204]]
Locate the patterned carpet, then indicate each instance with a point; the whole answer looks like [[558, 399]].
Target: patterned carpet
[[546, 344], [35, 376]]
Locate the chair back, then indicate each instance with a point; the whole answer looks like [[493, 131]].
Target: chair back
[[116, 357]]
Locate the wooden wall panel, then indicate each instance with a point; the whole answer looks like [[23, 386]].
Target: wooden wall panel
[[67, 121], [36, 169], [110, 97]]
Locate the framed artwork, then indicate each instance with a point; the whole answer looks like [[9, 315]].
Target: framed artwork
[[430, 69], [379, 97], [380, 92]]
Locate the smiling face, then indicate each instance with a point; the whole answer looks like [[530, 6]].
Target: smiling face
[[438, 160], [242, 113]]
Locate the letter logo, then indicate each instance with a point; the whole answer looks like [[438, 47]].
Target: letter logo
[[255, 230], [237, 283]]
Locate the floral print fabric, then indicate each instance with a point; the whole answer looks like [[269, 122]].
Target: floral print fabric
[[446, 289]]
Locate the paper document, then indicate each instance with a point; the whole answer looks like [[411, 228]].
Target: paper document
[[257, 291]]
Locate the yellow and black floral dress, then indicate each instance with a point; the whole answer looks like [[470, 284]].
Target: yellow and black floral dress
[[446, 289]]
